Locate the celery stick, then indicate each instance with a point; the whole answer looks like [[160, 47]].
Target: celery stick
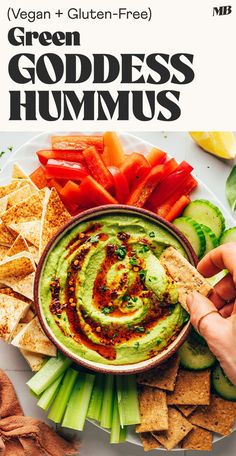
[[49, 394], [37, 396], [59, 405], [107, 403], [53, 368], [118, 434], [77, 407], [95, 404], [128, 404]]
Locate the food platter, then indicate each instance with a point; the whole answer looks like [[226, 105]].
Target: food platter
[[26, 157]]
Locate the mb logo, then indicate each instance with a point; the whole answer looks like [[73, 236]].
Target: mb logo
[[222, 10]]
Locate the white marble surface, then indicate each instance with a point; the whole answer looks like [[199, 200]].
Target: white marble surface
[[210, 170]]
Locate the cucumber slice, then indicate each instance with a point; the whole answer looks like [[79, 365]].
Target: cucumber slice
[[193, 232], [211, 239], [195, 354], [206, 213], [228, 236], [223, 385]]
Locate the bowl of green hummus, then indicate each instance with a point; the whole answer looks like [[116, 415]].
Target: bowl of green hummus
[[103, 296]]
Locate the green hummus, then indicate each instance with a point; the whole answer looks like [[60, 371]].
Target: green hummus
[[104, 293]]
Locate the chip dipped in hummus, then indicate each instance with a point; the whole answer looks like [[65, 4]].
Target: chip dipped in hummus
[[105, 294]]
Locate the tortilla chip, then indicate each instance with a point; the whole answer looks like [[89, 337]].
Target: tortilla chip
[[19, 327], [28, 317], [19, 173], [18, 246], [29, 230], [9, 188], [198, 439], [186, 277], [191, 388], [3, 204], [149, 442], [55, 216], [153, 410], [19, 195], [179, 427], [16, 267], [218, 417], [163, 376], [35, 360], [34, 252], [27, 210], [8, 291], [11, 312], [24, 286], [32, 338], [6, 236], [186, 409]]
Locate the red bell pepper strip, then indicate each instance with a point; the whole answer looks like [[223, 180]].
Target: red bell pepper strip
[[70, 192], [68, 155], [38, 177], [145, 187], [61, 169], [91, 193], [97, 168], [70, 206], [156, 156], [54, 183], [77, 142], [135, 167], [178, 208], [115, 153], [169, 186], [121, 185], [189, 185]]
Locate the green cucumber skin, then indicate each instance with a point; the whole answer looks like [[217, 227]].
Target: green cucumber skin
[[212, 217], [222, 385], [211, 239], [228, 236], [200, 249], [191, 360]]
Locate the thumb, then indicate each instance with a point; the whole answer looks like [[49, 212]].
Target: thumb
[[203, 314]]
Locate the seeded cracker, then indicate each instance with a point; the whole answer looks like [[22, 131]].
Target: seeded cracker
[[186, 277], [163, 376], [149, 442], [198, 439], [153, 410], [191, 388], [179, 427], [218, 417]]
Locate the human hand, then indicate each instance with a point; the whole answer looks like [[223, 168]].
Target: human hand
[[215, 318]]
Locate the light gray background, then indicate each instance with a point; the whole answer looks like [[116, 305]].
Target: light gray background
[[210, 170]]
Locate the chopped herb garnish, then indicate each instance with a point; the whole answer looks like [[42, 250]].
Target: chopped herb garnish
[[125, 298], [104, 288], [2, 153], [94, 239], [144, 248], [152, 234], [133, 261], [107, 310], [136, 345], [120, 252], [139, 329], [159, 341], [134, 298], [142, 274]]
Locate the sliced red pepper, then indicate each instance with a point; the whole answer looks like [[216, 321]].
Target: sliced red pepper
[[70, 192], [114, 149], [135, 167], [91, 193], [189, 185], [77, 142], [54, 183], [61, 169], [156, 156], [68, 155], [121, 185], [97, 168], [169, 186], [146, 186], [38, 177], [178, 208]]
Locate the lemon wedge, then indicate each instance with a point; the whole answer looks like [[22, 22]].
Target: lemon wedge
[[219, 143]]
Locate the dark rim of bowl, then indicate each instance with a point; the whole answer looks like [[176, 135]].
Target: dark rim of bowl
[[90, 365]]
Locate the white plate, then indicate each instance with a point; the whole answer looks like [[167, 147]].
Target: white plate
[[27, 158]]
